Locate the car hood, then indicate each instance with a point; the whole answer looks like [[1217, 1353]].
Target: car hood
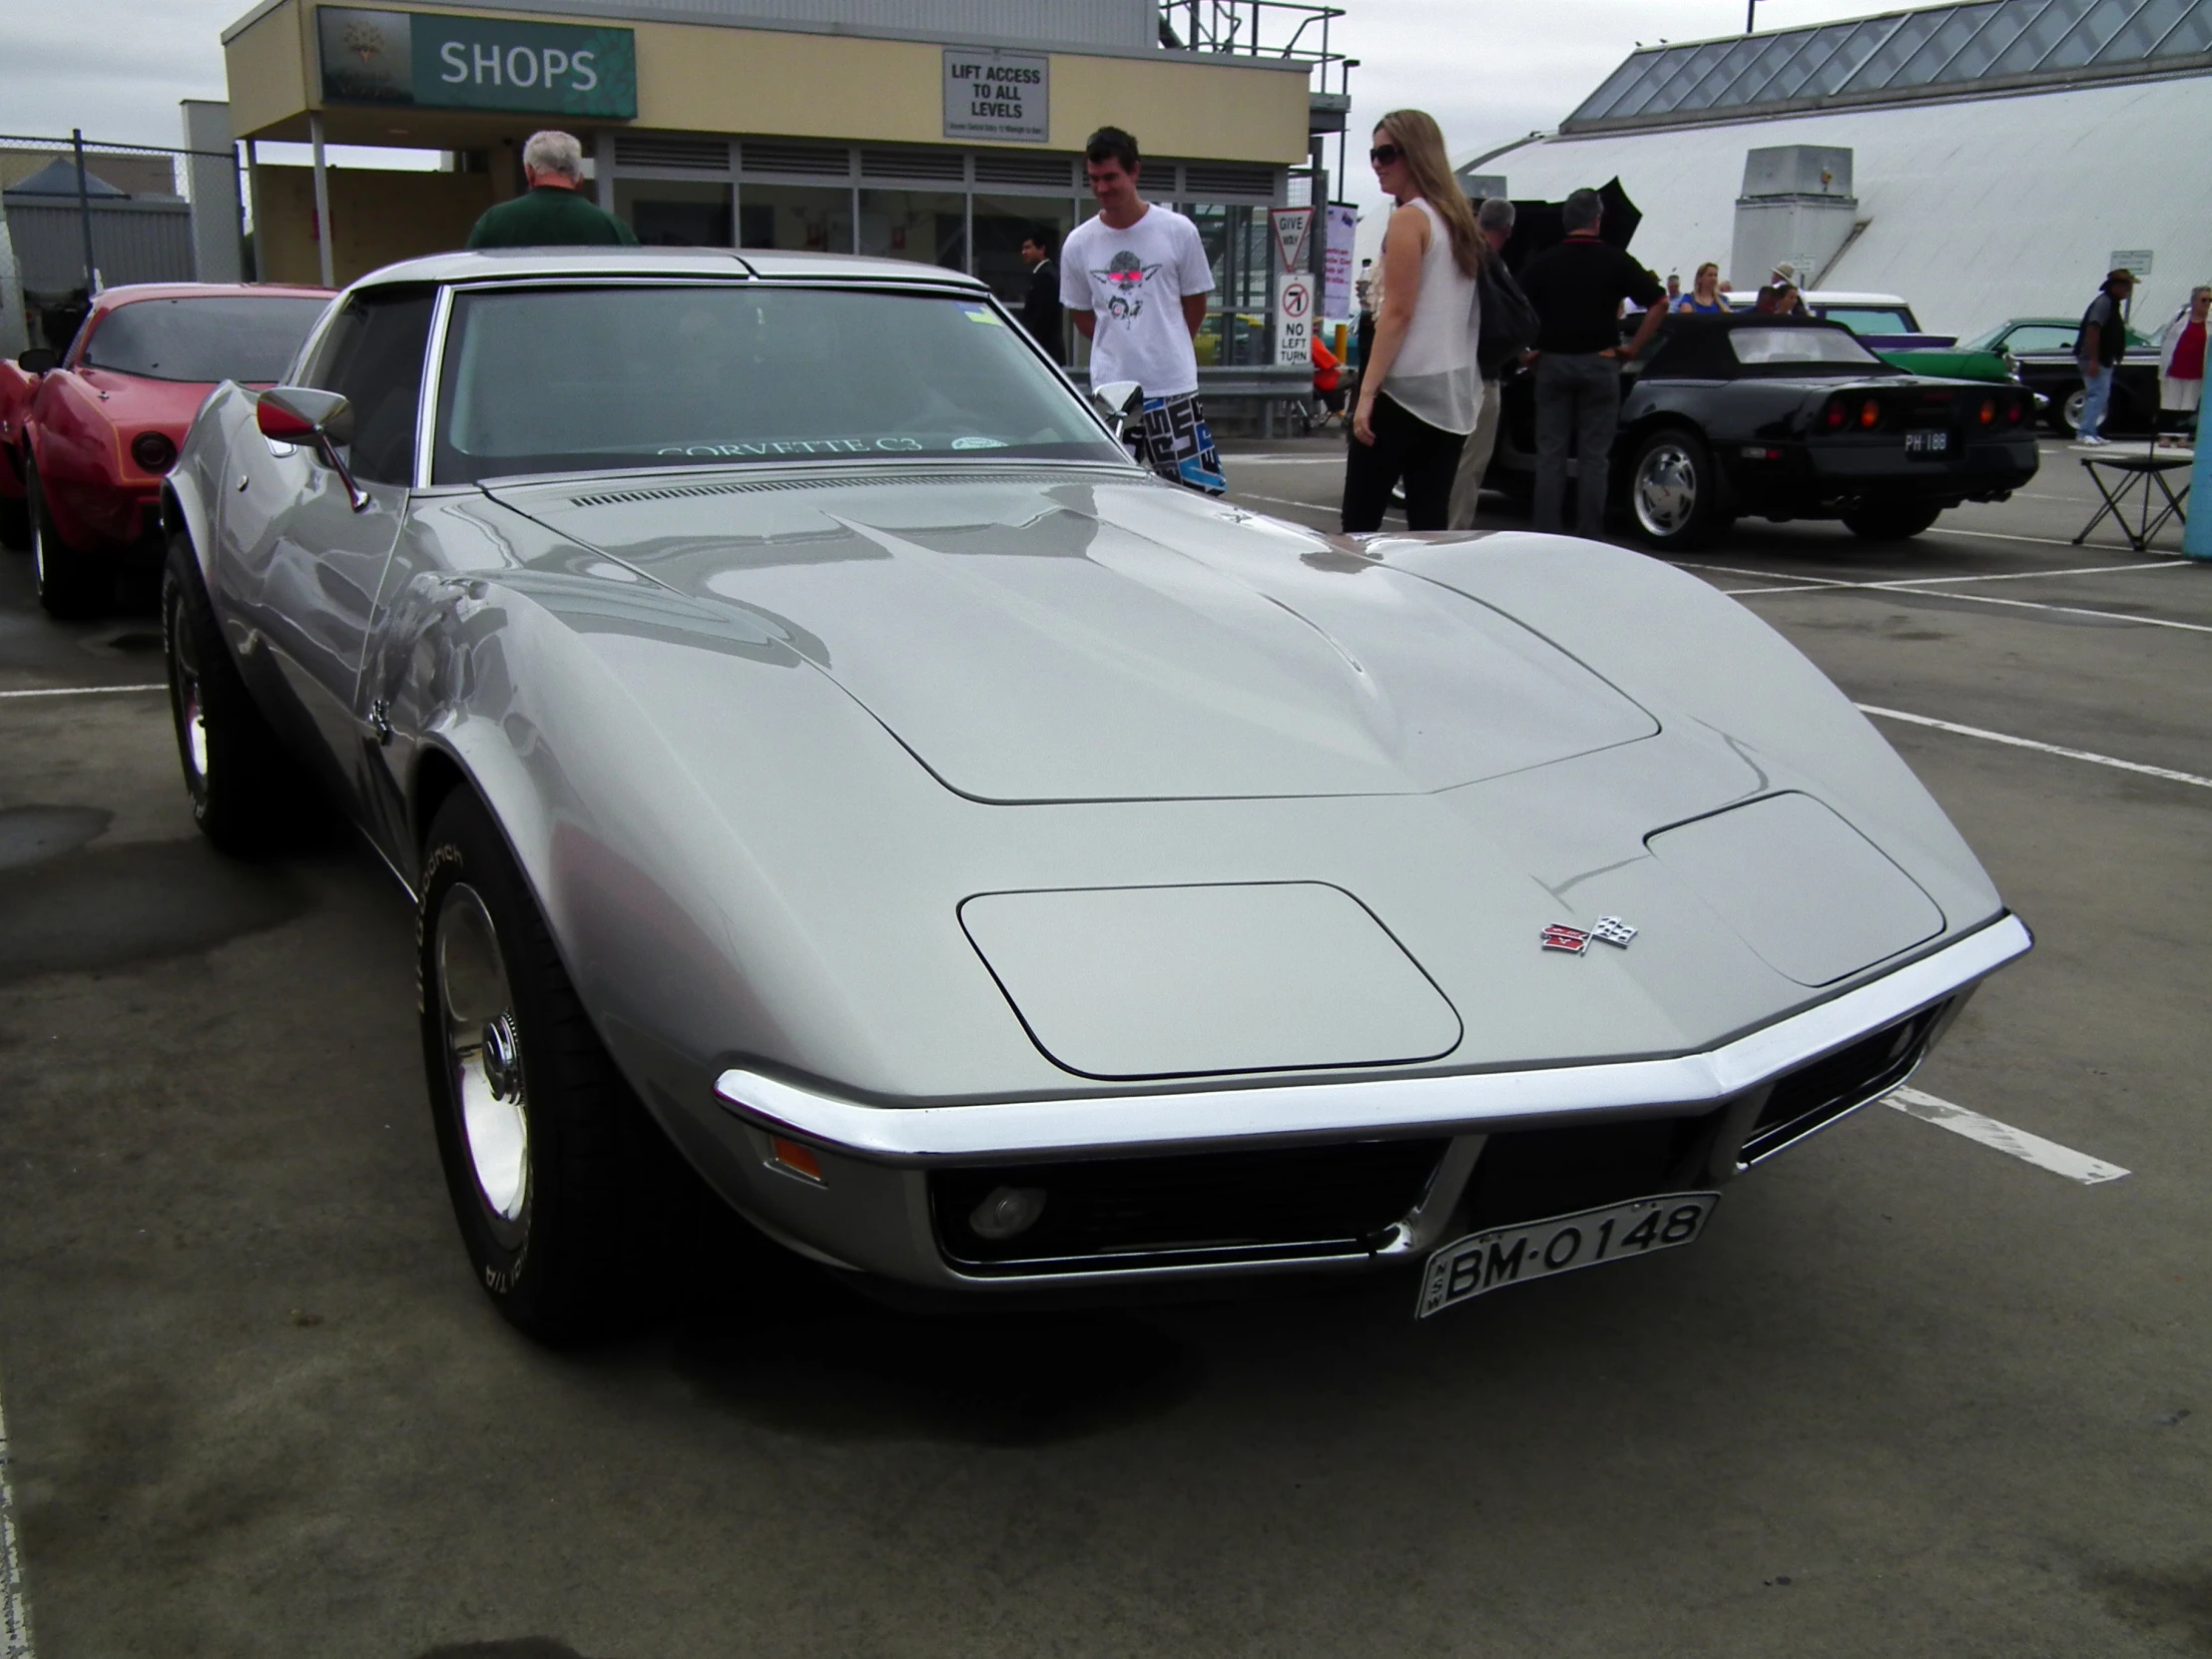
[[127, 401], [1058, 636]]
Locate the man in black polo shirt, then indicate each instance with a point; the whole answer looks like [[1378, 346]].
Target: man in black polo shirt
[[1577, 289]]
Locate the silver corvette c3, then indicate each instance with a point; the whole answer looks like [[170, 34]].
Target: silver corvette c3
[[810, 743]]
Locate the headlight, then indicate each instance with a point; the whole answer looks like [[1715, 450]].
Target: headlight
[[153, 452]]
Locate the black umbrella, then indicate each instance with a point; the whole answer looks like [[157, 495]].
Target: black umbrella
[[1537, 224]]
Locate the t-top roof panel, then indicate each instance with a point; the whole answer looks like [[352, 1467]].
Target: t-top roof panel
[[1938, 51]]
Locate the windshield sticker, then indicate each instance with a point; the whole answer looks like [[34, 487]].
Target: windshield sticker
[[979, 443], [979, 314], [797, 447]]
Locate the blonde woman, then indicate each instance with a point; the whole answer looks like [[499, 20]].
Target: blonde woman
[[1419, 392], [1704, 297]]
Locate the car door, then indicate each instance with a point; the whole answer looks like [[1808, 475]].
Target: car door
[[306, 555]]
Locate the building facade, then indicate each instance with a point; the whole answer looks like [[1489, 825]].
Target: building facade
[[1985, 161], [939, 131]]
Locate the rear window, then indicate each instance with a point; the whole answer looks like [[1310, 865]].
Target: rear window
[[230, 337], [1872, 320], [2041, 336], [1798, 345]]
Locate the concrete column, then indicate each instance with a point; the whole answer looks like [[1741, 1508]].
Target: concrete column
[[212, 179], [321, 201]]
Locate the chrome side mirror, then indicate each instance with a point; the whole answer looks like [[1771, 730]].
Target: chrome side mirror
[[322, 420], [1119, 403]]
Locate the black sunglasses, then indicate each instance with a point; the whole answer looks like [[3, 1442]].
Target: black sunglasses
[[1384, 153]]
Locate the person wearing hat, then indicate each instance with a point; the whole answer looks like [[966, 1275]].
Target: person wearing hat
[[2098, 350]]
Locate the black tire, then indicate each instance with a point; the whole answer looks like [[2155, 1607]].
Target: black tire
[[245, 792], [70, 583], [1675, 492], [1892, 523], [553, 1174], [15, 520]]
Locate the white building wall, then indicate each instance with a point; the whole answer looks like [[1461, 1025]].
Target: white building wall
[[1976, 211]]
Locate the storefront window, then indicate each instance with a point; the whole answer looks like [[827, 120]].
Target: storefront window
[[1002, 224], [1235, 240], [674, 213], [807, 219], [927, 227]]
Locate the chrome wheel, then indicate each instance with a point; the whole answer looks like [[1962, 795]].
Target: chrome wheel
[[2071, 411], [1665, 489], [483, 1057], [192, 710]]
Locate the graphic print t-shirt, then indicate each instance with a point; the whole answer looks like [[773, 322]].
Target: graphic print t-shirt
[[1135, 281]]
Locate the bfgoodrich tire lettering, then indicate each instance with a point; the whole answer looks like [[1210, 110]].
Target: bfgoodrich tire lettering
[[548, 1156], [246, 794]]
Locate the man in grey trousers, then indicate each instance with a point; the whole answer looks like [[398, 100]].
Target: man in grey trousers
[[1577, 289], [1494, 219]]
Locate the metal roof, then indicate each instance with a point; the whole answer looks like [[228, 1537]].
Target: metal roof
[[1910, 56]]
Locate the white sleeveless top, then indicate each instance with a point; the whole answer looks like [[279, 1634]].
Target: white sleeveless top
[[1433, 377]]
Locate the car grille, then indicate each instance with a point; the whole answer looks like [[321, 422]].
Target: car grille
[[1817, 1095], [1224, 1206], [1528, 1173]]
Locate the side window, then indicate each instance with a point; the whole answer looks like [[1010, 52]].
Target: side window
[[2039, 338], [371, 355]]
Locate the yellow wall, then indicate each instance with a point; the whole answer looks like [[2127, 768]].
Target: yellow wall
[[1195, 111], [266, 67], [378, 217], [700, 79]]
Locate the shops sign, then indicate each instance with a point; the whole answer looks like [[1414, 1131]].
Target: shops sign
[[997, 95], [446, 61]]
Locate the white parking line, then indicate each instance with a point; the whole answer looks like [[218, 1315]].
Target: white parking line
[[2017, 1142], [15, 1615], [1928, 584], [2090, 756], [83, 690]]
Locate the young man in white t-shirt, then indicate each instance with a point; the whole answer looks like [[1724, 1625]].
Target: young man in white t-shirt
[[1135, 280]]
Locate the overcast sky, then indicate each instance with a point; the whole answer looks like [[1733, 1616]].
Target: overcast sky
[[1488, 70]]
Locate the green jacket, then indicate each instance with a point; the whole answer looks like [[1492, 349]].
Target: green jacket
[[550, 217]]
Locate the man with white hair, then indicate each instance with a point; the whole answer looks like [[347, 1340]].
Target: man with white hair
[[552, 214]]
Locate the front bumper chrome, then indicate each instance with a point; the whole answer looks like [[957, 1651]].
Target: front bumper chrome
[[1469, 1103]]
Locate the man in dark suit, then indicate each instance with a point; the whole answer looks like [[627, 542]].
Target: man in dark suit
[[1040, 306]]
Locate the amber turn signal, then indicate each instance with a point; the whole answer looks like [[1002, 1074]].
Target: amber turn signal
[[800, 1160]]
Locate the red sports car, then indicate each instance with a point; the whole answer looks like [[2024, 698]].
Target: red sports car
[[84, 441]]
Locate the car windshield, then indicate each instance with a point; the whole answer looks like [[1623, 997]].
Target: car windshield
[[229, 336], [1787, 345], [570, 380], [1871, 320]]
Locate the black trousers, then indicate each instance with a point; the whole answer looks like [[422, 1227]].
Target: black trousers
[[1408, 447]]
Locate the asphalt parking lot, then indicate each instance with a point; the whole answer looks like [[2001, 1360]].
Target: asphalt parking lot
[[1913, 1392]]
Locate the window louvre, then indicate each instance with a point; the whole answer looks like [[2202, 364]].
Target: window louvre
[[806, 161], [996, 166], [653, 149], [924, 166], [1217, 182]]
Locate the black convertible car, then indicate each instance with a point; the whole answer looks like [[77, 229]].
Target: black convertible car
[[1787, 418]]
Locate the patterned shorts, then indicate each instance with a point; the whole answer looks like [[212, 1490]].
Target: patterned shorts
[[1174, 440]]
